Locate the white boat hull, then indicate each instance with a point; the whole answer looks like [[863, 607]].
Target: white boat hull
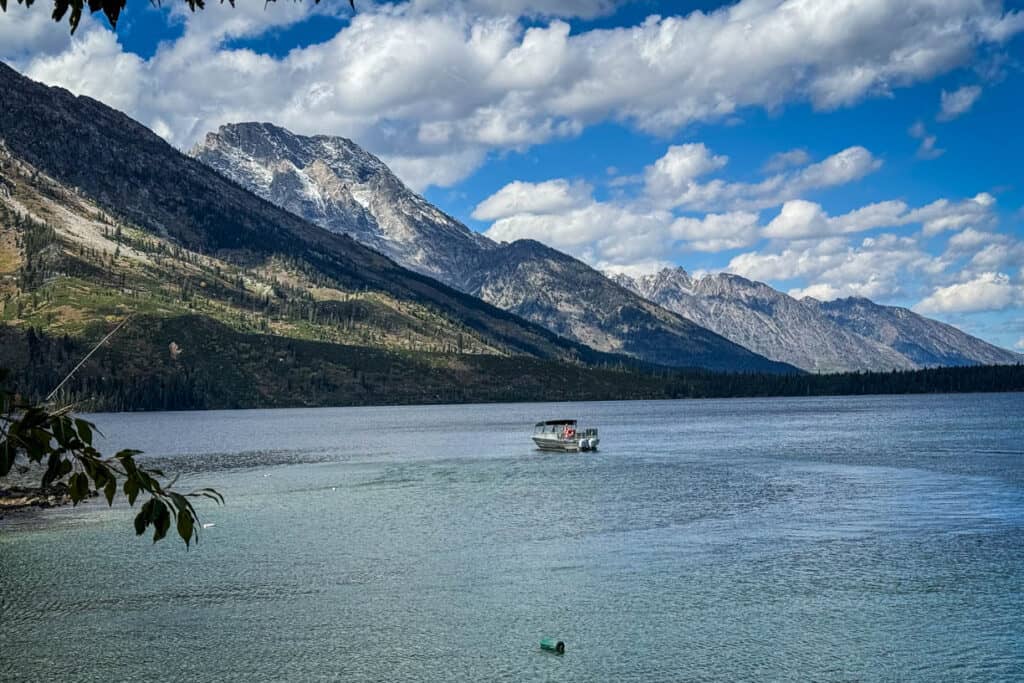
[[546, 443]]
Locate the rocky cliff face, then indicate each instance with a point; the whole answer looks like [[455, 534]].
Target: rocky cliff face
[[924, 341], [844, 335], [334, 183]]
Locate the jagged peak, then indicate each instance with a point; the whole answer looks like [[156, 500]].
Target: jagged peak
[[268, 141]]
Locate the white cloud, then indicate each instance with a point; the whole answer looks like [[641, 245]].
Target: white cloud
[[517, 197], [585, 9], [958, 102], [674, 173], [412, 83], [969, 239], [798, 219], [672, 180], [987, 292], [801, 219], [610, 235], [878, 267], [29, 32], [783, 160], [1004, 253], [716, 232], [97, 47], [565, 215], [1019, 344], [927, 149], [944, 215], [599, 231], [442, 170]]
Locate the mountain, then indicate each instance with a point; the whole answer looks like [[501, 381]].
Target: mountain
[[836, 336], [232, 301], [333, 182], [137, 180], [924, 341]]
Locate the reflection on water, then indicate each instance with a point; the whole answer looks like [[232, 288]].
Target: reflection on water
[[820, 539]]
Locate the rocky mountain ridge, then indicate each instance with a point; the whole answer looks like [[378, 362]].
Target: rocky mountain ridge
[[833, 336], [340, 187], [334, 183]]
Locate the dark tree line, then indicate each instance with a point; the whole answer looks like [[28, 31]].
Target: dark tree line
[[217, 367]]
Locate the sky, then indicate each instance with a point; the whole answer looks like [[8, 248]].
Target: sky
[[830, 148]]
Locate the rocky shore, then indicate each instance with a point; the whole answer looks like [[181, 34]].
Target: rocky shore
[[20, 497]]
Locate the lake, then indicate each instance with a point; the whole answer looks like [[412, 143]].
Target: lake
[[856, 538]]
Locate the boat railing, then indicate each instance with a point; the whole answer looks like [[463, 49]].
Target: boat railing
[[589, 433]]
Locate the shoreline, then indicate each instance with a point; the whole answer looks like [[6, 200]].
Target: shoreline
[[18, 498]]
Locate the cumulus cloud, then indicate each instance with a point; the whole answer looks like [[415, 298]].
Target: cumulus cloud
[[986, 292], [958, 102], [716, 232], [585, 9], [801, 219], [612, 235], [1001, 253], [783, 160], [942, 214], [675, 173], [517, 197], [815, 252], [647, 228], [450, 82], [970, 239], [878, 267], [672, 181]]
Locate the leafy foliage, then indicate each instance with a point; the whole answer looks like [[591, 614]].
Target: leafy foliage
[[63, 445], [111, 8]]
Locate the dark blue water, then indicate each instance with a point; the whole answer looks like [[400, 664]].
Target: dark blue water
[[877, 538]]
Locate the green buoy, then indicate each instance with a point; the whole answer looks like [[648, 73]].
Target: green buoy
[[552, 645]]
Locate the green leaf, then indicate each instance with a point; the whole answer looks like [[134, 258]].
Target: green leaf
[[64, 431], [53, 469], [98, 472], [84, 430], [161, 521], [142, 519], [186, 526], [131, 489], [110, 490], [78, 484]]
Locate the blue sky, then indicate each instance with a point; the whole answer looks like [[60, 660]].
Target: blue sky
[[828, 147]]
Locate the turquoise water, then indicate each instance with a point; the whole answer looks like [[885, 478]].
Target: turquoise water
[[869, 538]]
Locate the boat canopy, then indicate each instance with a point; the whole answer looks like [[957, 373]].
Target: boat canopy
[[555, 422]]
